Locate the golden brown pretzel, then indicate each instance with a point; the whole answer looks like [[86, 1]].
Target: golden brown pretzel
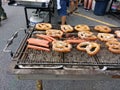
[[102, 28], [61, 46], [82, 46], [91, 48], [117, 32], [66, 28], [106, 37], [43, 26], [54, 33], [113, 46], [111, 43], [82, 27], [86, 35], [114, 49]]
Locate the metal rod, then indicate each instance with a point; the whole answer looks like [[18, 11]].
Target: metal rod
[[26, 16], [39, 85]]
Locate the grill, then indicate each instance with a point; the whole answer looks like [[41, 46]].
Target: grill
[[31, 3], [29, 58]]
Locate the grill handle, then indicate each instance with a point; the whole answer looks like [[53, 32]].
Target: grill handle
[[10, 41]]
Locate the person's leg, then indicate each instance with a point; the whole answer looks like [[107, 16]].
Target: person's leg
[[89, 4], [63, 11], [76, 4], [85, 4], [63, 20], [72, 6]]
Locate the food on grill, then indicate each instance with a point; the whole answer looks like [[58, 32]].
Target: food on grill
[[43, 26], [117, 33], [86, 35], [54, 33], [82, 27], [61, 46], [38, 42], [83, 46], [46, 37], [38, 48], [102, 28], [66, 28], [113, 46], [72, 41], [91, 48], [106, 37]]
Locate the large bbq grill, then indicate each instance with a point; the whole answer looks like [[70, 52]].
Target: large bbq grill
[[30, 58], [73, 58], [75, 65]]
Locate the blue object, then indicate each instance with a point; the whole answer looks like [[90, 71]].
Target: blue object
[[63, 10], [100, 7]]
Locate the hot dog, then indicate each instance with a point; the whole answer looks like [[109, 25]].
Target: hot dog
[[38, 42], [75, 40], [44, 37], [38, 48]]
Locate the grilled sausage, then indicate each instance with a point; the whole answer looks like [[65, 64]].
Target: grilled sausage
[[38, 48], [38, 42]]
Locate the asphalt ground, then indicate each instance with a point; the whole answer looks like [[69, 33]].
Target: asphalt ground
[[16, 21]]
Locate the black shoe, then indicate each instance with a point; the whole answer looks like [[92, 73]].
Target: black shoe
[[61, 22], [76, 10], [3, 17], [70, 13]]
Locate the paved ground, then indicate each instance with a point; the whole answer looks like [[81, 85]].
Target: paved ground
[[16, 20]]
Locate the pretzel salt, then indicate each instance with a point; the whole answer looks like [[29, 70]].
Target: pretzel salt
[[61, 46], [86, 35], [66, 28], [106, 37], [54, 33]]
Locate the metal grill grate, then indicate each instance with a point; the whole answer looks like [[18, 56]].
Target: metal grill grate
[[75, 57]]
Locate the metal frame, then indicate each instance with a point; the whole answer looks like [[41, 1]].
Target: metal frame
[[49, 8]]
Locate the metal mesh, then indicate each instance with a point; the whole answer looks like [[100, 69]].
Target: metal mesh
[[75, 57]]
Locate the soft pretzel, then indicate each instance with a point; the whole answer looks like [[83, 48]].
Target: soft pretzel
[[82, 46], [43, 26], [86, 35], [82, 27], [113, 46], [61, 46], [54, 33], [106, 37], [102, 28], [117, 32], [66, 28], [91, 48], [111, 43], [114, 49]]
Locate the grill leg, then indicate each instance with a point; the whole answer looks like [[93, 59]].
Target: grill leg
[[39, 85]]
